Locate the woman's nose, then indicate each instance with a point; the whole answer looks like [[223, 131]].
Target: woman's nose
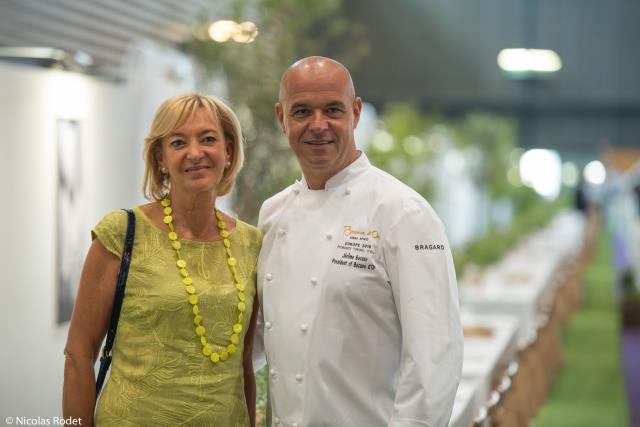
[[194, 151]]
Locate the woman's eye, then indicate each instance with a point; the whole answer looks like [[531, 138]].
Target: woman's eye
[[209, 140], [176, 143]]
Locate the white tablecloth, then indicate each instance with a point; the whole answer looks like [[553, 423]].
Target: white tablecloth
[[484, 359], [517, 284]]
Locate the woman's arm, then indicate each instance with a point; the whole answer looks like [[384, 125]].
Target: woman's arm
[[247, 365], [89, 323]]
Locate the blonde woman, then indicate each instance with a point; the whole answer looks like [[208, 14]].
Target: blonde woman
[[182, 352]]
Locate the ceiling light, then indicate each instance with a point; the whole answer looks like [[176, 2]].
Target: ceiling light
[[595, 172], [245, 32], [529, 62], [221, 31]]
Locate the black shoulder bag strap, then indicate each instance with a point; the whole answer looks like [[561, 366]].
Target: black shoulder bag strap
[[105, 359]]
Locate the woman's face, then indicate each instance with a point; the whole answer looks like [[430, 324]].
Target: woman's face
[[195, 154]]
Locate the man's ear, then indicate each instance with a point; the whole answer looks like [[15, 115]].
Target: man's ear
[[280, 116], [357, 109]]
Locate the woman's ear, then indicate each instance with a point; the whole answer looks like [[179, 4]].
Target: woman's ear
[[229, 150], [159, 159]]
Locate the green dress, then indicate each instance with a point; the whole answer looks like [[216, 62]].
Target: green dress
[[159, 375]]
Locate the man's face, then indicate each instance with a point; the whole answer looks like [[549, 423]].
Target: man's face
[[318, 113]]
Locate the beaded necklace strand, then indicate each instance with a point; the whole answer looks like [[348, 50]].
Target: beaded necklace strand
[[198, 320]]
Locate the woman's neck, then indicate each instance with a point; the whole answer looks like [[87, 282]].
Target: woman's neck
[[193, 216]]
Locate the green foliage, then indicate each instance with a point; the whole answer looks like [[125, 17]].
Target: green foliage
[[261, 396], [494, 136], [288, 30], [530, 213], [410, 157], [406, 154]]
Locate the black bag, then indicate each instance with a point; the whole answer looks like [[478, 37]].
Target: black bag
[[105, 359]]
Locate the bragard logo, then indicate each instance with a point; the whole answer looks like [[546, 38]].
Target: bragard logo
[[429, 247]]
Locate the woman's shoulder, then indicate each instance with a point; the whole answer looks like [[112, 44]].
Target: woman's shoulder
[[112, 222], [110, 231], [249, 232]]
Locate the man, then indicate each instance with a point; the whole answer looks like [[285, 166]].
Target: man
[[355, 277]]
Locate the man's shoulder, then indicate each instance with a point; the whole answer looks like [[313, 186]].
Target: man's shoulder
[[397, 199], [391, 190], [271, 206], [278, 198]]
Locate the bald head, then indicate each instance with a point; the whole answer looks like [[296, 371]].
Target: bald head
[[319, 112], [314, 68]]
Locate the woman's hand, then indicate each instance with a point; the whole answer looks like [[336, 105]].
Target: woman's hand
[[89, 322]]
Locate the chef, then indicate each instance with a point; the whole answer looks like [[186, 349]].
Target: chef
[[355, 277]]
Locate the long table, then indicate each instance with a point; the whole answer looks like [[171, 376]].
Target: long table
[[506, 298]]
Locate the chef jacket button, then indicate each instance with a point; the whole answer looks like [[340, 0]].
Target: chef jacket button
[[299, 378], [269, 277], [281, 233], [294, 424], [296, 190], [329, 236], [277, 420], [347, 191], [267, 325], [314, 281], [304, 327], [272, 372]]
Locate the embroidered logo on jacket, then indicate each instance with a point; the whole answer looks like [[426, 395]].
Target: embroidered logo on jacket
[[429, 247]]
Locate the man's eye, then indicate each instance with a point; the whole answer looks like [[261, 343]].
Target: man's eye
[[334, 110], [300, 112]]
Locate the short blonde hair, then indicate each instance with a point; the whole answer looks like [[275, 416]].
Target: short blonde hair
[[170, 116]]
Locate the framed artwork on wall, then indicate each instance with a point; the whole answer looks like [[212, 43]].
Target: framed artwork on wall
[[71, 235]]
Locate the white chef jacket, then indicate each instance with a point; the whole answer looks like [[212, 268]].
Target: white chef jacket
[[359, 305]]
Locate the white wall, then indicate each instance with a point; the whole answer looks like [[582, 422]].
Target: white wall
[[114, 118], [31, 359]]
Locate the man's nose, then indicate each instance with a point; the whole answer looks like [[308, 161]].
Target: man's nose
[[318, 122]]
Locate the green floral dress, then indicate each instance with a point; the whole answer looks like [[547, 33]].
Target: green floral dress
[[159, 375]]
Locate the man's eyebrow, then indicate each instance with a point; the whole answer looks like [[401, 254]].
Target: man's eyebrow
[[329, 104], [336, 104], [298, 104]]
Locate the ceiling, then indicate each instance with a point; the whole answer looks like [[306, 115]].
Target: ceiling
[[440, 55], [102, 28]]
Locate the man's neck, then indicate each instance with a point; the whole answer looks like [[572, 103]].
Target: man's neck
[[318, 181]]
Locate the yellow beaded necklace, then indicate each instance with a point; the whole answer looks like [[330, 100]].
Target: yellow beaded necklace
[[207, 350]]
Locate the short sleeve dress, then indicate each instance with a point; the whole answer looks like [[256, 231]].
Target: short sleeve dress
[[159, 375]]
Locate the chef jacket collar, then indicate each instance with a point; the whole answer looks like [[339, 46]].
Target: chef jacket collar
[[360, 165]]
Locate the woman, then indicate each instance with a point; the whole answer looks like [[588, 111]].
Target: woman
[[182, 353]]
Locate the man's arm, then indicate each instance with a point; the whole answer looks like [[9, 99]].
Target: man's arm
[[422, 276]]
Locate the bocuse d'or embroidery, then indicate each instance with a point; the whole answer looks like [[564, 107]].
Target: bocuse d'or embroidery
[[357, 249], [348, 231]]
